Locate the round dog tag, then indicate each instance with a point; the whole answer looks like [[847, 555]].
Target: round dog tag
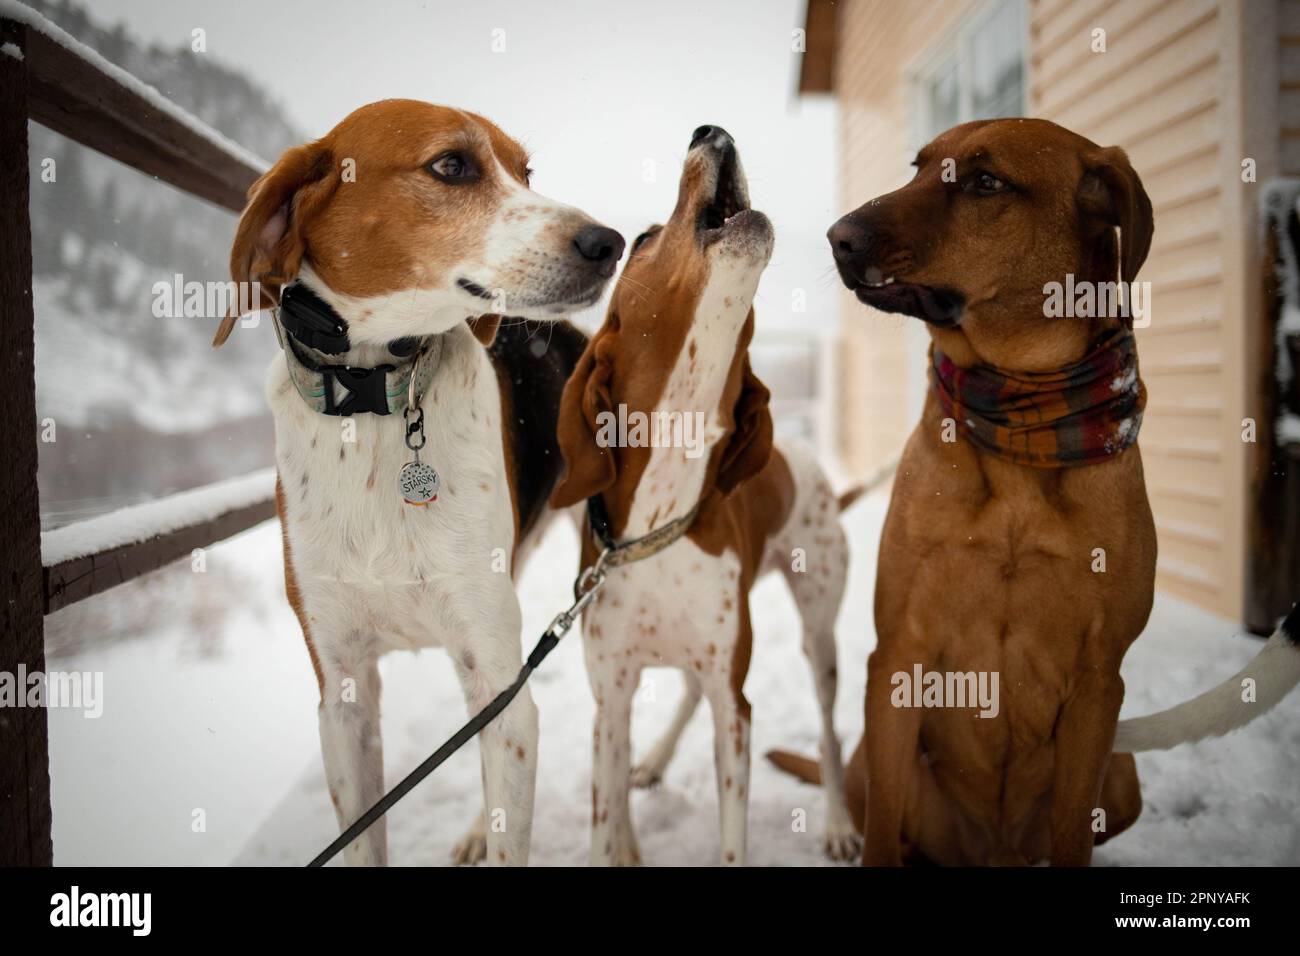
[[419, 483]]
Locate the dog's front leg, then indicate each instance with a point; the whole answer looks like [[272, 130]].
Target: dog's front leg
[[891, 736], [1085, 732], [351, 743], [508, 745], [731, 718], [613, 840]]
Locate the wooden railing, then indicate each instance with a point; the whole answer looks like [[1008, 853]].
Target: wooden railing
[[47, 76]]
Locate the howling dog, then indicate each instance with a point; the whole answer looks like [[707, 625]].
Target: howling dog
[[675, 342]]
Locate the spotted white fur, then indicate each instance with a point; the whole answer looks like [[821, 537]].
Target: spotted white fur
[[813, 528], [684, 607], [375, 574]]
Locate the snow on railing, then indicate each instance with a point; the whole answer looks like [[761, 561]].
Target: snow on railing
[[91, 556]]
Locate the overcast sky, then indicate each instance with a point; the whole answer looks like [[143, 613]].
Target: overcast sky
[[599, 91]]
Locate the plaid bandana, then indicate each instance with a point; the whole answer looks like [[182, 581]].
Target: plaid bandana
[[1079, 415]]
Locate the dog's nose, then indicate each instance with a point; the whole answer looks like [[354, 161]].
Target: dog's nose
[[600, 246], [709, 132], [847, 237]]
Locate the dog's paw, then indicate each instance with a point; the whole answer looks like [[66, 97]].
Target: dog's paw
[[843, 842], [627, 853], [647, 776], [470, 849]]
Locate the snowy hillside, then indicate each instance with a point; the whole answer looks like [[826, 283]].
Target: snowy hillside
[[120, 383]]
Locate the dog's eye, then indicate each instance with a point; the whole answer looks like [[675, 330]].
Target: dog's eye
[[528, 176], [986, 184], [452, 168], [644, 237]]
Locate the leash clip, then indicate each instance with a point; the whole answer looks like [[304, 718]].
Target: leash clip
[[584, 592], [414, 428], [589, 581]]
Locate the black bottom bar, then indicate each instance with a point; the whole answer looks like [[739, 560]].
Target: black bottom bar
[[822, 906]]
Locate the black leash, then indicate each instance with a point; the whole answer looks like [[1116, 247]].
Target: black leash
[[584, 591], [458, 740]]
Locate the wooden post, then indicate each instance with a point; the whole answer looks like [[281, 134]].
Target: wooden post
[[25, 838], [1273, 558]]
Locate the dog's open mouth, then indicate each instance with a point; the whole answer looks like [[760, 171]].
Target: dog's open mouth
[[727, 211], [939, 307], [730, 195]]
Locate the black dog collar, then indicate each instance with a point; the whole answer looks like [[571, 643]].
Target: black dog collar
[[305, 322], [314, 323], [311, 321]]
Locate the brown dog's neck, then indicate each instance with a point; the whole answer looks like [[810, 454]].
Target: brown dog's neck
[[1081, 414], [1056, 344]]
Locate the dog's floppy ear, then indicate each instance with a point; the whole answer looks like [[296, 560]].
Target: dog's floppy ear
[[484, 328], [750, 445], [588, 468], [269, 240], [1111, 194]]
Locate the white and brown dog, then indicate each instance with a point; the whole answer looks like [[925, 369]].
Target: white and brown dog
[[674, 349], [435, 219]]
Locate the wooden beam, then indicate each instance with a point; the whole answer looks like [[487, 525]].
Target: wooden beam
[[70, 581], [817, 67], [1273, 517], [85, 101], [25, 836]]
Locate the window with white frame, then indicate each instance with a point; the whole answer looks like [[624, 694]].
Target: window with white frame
[[976, 72]]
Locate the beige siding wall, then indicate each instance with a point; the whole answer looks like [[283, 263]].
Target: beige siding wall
[[1289, 85], [1164, 91], [1174, 88], [880, 355]]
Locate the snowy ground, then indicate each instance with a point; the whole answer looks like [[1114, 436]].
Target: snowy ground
[[210, 705]]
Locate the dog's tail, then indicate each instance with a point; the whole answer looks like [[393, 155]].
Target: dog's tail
[[851, 496], [805, 768], [1273, 672], [847, 499]]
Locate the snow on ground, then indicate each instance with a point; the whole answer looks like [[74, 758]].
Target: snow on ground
[[232, 730]]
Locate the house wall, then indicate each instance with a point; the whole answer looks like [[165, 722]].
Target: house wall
[[1288, 68], [1171, 89], [880, 357]]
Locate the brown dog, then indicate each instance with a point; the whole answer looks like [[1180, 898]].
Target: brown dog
[[1022, 473]]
